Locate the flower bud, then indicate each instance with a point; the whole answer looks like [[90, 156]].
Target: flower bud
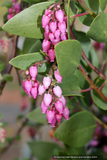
[[57, 91], [57, 33], [41, 89], [53, 26], [51, 36], [53, 122], [9, 16], [47, 99], [66, 113], [46, 36], [63, 100], [46, 29], [17, 7], [62, 27], [59, 15], [28, 86], [46, 45], [94, 143], [57, 76], [58, 117], [33, 72], [48, 12], [51, 55], [46, 82], [45, 20], [59, 107], [55, 41], [44, 108], [2, 135], [50, 116], [63, 37], [10, 10], [34, 92]]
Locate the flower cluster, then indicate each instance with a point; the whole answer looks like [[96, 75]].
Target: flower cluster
[[55, 23], [2, 134], [53, 104], [15, 8], [4, 43]]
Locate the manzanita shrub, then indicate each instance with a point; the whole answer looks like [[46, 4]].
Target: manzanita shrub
[[57, 62]]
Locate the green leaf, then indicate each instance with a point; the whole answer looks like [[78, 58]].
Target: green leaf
[[68, 55], [34, 1], [98, 28], [97, 99], [7, 4], [36, 47], [76, 131], [75, 151], [28, 22], [102, 4], [42, 150], [1, 29], [92, 5], [2, 66], [28, 43], [8, 77], [37, 116], [25, 61], [68, 17], [70, 86], [84, 40]]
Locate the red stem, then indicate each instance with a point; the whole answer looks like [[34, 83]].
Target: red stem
[[78, 15], [86, 90]]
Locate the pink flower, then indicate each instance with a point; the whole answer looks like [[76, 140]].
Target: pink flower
[[44, 108], [59, 15], [33, 72], [62, 27], [59, 107], [34, 92], [41, 89], [53, 122], [51, 55], [28, 86], [57, 76], [45, 20], [50, 116], [46, 82], [53, 26], [2, 135], [57, 91], [58, 117], [46, 45], [63, 100], [66, 113], [47, 99]]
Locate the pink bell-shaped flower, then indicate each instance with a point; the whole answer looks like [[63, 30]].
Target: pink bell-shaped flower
[[48, 12], [57, 76], [2, 135], [63, 100], [44, 108], [63, 37], [51, 55], [17, 7], [10, 10], [36, 84], [28, 86], [47, 28], [47, 99], [57, 33], [46, 45], [55, 41], [50, 116], [46, 36], [94, 142], [51, 36], [62, 27], [59, 15], [33, 72], [66, 113], [9, 16], [53, 122], [59, 107], [41, 89], [34, 92], [53, 26], [46, 82], [57, 91], [45, 20], [58, 117]]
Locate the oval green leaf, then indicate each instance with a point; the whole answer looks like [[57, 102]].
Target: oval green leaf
[[76, 131], [28, 22], [68, 55], [25, 61]]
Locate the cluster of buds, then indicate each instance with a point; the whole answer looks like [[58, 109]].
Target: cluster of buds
[[54, 103], [2, 134], [15, 8], [4, 43], [30, 85], [54, 23]]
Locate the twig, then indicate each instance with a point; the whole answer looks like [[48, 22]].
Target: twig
[[86, 90]]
